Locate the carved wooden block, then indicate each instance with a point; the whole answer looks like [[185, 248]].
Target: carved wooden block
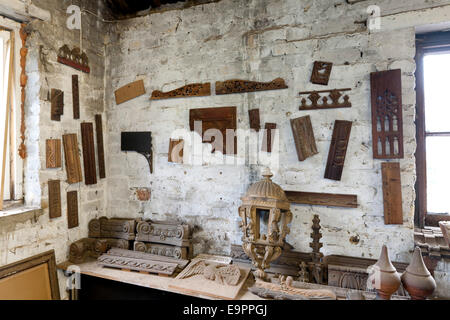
[[387, 114], [319, 101], [305, 142], [57, 104], [392, 193], [54, 198], [255, 122], [130, 91], [241, 86], [225, 274], [321, 72], [176, 151], [72, 156], [112, 228], [72, 209], [190, 90], [164, 232], [323, 199], [53, 153], [338, 149], [92, 248], [147, 256], [100, 146], [213, 122], [175, 252], [74, 58], [87, 137], [75, 97], [269, 136]]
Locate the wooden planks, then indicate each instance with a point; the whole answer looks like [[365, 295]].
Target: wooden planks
[[190, 90], [87, 137], [392, 193], [53, 153], [129, 91], [176, 151], [54, 198], [255, 122], [338, 149], [100, 146], [321, 72], [305, 142], [72, 156], [57, 104], [323, 199], [242, 86], [75, 97], [72, 209], [269, 135]]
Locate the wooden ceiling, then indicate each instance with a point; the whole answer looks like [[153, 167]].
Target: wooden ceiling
[[130, 7]]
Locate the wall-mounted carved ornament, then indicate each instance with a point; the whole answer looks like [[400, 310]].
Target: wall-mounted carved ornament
[[338, 149], [392, 193], [242, 86], [54, 198], [255, 122], [190, 90], [100, 146], [72, 209], [305, 143], [321, 72], [53, 153], [87, 139], [72, 156], [74, 58], [75, 97], [269, 137], [129, 91], [23, 84], [323, 199], [331, 100], [57, 104]]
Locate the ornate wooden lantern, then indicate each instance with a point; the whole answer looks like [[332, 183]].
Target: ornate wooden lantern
[[265, 214]]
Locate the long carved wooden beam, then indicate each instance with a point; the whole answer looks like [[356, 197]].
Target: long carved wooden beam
[[242, 86], [190, 90], [323, 199], [23, 83]]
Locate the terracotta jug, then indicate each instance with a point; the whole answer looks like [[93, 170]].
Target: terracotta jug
[[417, 280], [385, 278]]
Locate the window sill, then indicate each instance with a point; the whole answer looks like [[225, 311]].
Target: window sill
[[19, 213]]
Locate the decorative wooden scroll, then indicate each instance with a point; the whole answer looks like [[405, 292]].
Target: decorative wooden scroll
[[72, 156], [176, 151], [53, 153], [54, 198], [338, 149], [316, 266], [75, 97], [164, 232], [57, 104], [74, 58], [242, 86], [321, 72], [140, 142], [23, 84], [305, 142], [72, 209], [269, 134], [387, 114], [147, 256], [255, 122], [130, 91], [87, 138], [93, 248], [112, 228], [175, 252], [190, 90], [320, 102], [214, 120], [100, 147], [323, 199], [392, 193]]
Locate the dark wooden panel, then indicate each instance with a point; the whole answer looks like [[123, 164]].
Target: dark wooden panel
[[75, 97], [305, 142], [53, 153], [190, 90], [269, 135], [72, 209], [387, 114], [255, 122], [140, 142], [338, 149], [321, 72], [392, 193], [100, 146], [221, 119], [54, 198], [130, 91], [325, 99], [176, 151], [87, 137], [241, 86], [72, 156], [323, 199], [57, 104]]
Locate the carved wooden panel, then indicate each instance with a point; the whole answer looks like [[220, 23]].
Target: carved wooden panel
[[130, 91], [241, 86], [100, 146], [387, 114], [269, 136], [53, 153], [321, 72], [175, 252], [338, 149], [72, 209], [57, 104], [213, 119], [147, 256], [305, 142], [190, 90], [85, 248], [74, 58], [112, 228], [164, 232], [72, 156], [23, 83], [255, 122], [54, 198], [392, 193], [331, 100], [176, 151], [87, 137], [323, 199], [75, 97]]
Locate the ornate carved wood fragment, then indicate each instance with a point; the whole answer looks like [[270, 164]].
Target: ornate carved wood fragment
[[112, 228], [255, 122], [164, 232], [54, 198], [72, 209], [176, 151], [53, 153], [75, 97], [321, 102], [176, 252], [269, 136], [305, 142], [87, 137], [147, 256], [72, 156], [100, 147], [190, 90], [241, 86], [392, 193], [130, 91], [57, 104], [23, 83], [92, 248], [74, 58], [338, 149], [321, 72], [387, 114], [323, 199], [224, 274], [316, 266]]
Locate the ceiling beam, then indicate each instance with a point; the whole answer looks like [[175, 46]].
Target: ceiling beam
[[22, 12]]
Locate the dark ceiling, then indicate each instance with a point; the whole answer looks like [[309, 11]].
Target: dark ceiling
[[130, 7]]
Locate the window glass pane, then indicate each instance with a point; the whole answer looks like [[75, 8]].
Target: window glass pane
[[436, 86], [438, 174]]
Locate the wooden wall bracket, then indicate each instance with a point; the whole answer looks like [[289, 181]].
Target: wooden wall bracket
[[305, 143], [269, 134], [323, 199], [242, 86], [321, 72], [338, 149], [190, 90], [74, 58], [392, 193], [321, 102], [140, 142]]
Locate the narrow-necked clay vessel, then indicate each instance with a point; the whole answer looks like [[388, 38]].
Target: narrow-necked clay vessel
[[417, 280], [385, 279]]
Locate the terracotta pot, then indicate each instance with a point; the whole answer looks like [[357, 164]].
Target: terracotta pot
[[385, 278], [417, 280]]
